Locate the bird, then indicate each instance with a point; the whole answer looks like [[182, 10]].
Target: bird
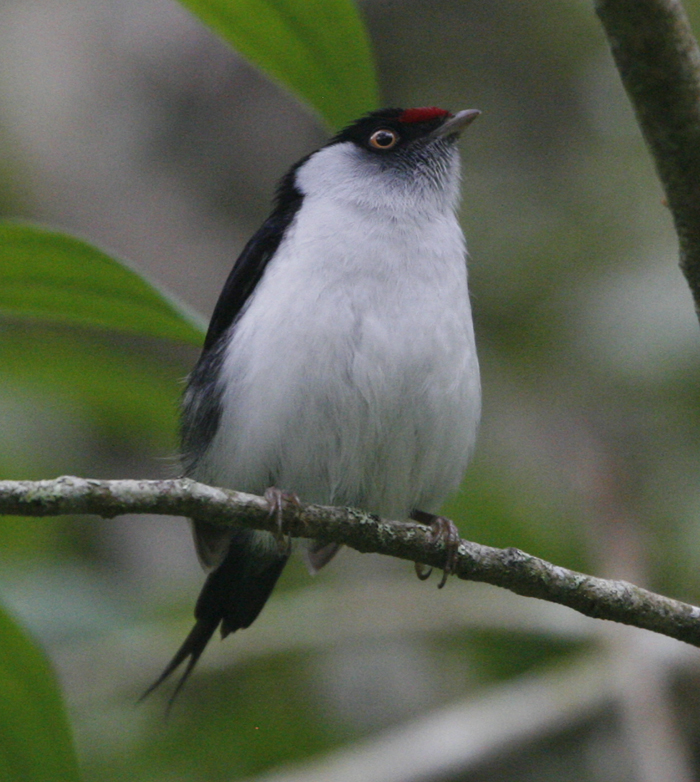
[[340, 365]]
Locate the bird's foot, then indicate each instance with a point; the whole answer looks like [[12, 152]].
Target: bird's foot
[[276, 498], [441, 529]]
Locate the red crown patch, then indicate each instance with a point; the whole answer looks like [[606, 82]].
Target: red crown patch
[[423, 114]]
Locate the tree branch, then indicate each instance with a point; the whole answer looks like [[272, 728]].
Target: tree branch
[[659, 64], [508, 568]]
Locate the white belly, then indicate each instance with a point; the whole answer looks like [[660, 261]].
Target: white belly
[[353, 379]]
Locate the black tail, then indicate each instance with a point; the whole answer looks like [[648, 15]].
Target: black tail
[[232, 596]]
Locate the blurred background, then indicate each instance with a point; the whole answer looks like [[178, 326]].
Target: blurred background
[[128, 123]]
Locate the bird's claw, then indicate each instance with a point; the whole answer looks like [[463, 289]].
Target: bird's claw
[[276, 499], [441, 529], [446, 530]]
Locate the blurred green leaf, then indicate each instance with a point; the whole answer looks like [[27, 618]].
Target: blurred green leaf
[[35, 740], [127, 394], [318, 49], [502, 508], [50, 276]]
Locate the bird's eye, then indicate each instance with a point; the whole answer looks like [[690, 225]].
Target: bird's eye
[[383, 139]]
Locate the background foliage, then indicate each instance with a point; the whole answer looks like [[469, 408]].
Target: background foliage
[[131, 124]]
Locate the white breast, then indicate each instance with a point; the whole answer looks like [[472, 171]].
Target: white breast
[[352, 376]]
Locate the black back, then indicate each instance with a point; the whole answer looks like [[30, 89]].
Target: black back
[[251, 263], [201, 405]]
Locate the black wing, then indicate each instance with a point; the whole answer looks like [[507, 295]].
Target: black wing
[[201, 404], [251, 263]]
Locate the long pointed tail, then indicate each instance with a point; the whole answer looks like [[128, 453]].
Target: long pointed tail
[[192, 647], [232, 596]]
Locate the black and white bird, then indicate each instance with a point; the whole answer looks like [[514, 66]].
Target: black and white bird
[[340, 363]]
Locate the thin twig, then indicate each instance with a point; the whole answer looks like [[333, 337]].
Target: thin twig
[[508, 568]]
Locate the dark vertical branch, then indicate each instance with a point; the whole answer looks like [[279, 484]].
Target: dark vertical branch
[[659, 63]]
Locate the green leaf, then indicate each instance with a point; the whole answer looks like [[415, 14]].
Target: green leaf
[[128, 395], [35, 739], [318, 49], [50, 276]]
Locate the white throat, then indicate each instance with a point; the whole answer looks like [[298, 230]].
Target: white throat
[[345, 173]]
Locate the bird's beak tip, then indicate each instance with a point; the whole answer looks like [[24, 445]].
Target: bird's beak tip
[[457, 123]]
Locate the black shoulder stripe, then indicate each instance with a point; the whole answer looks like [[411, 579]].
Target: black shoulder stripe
[[251, 263], [201, 404]]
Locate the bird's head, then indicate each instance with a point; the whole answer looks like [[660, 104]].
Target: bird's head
[[396, 159]]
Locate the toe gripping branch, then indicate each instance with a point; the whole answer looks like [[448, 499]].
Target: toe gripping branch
[[444, 530], [276, 499]]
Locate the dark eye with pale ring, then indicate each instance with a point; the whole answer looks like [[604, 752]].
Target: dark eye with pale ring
[[383, 139]]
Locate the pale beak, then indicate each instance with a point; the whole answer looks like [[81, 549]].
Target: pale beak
[[457, 123]]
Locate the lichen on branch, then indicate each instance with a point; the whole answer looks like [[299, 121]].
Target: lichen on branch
[[508, 568]]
